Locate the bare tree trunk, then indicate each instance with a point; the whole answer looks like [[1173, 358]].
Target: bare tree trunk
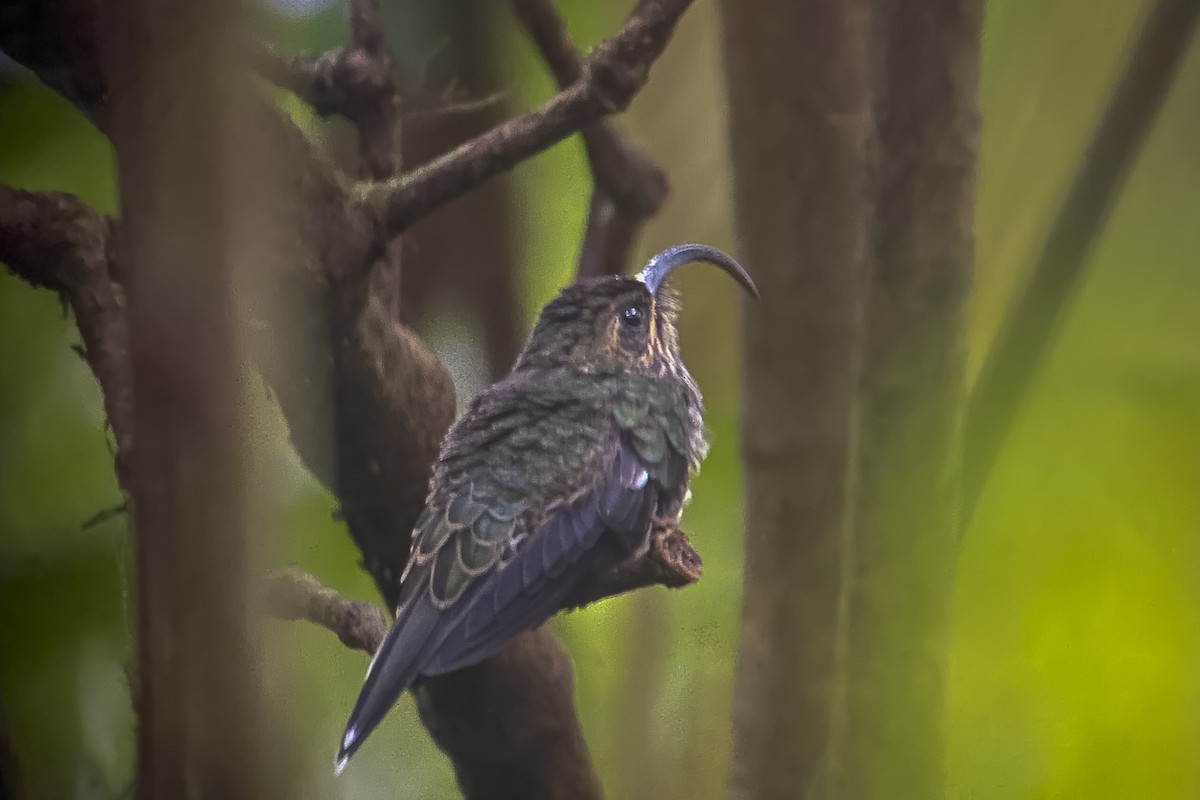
[[176, 127], [854, 184], [801, 198]]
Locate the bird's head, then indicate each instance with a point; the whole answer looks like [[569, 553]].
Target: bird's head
[[613, 324]]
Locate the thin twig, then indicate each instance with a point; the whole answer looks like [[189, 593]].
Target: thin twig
[[449, 107], [1033, 320], [105, 514]]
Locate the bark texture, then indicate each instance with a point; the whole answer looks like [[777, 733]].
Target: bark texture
[[854, 188]]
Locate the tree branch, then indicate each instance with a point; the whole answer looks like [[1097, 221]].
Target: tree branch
[[1029, 328], [629, 186], [607, 82], [621, 169], [55, 241]]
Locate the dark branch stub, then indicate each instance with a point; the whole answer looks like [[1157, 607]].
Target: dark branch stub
[[671, 562]]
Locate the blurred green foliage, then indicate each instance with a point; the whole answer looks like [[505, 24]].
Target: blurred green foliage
[[1075, 668]]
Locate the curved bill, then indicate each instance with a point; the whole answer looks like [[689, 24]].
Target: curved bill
[[657, 268]]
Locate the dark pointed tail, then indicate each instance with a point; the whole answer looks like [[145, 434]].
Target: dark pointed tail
[[394, 667]]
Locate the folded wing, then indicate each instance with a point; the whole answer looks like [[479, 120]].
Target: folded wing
[[477, 576]]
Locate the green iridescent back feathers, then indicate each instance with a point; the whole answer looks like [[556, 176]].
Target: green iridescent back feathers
[[538, 443]]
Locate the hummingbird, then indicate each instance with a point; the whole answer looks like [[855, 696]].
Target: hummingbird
[[560, 470]]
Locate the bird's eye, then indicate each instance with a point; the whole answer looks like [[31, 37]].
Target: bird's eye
[[632, 317]]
